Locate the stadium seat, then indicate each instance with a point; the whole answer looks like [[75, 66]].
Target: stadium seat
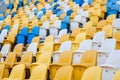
[[64, 73], [110, 66], [88, 74], [18, 72], [39, 72], [116, 76], [98, 38], [82, 48], [107, 46], [67, 45], [88, 59], [64, 59]]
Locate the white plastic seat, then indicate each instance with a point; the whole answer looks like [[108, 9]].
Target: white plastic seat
[[5, 50], [85, 15], [53, 31], [4, 32], [116, 24], [77, 18], [74, 25], [46, 24], [98, 38], [42, 33], [107, 46], [111, 65], [53, 16], [62, 32], [32, 48], [1, 38], [84, 46], [67, 45], [47, 6], [57, 24]]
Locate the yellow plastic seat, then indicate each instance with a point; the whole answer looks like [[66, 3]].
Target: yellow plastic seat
[[90, 32], [26, 59], [44, 59], [93, 73], [79, 38], [110, 19], [39, 73], [10, 60], [18, 72], [100, 25], [3, 72], [75, 32], [108, 29], [18, 49], [88, 59], [64, 73], [64, 59], [86, 26], [117, 75], [62, 16], [116, 35]]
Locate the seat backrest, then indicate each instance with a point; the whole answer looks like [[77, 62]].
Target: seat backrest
[[77, 18], [45, 58], [5, 49], [27, 57], [113, 58], [39, 72], [46, 24], [36, 39], [76, 31], [110, 18], [67, 45], [35, 30], [108, 29], [32, 48], [2, 67], [92, 73], [65, 58], [64, 73], [4, 32], [63, 38], [116, 23], [88, 25], [85, 45], [18, 72], [99, 36], [48, 47], [18, 48], [101, 23], [64, 31], [117, 75], [11, 58], [80, 37], [108, 45], [49, 39], [89, 58], [116, 35], [24, 31]]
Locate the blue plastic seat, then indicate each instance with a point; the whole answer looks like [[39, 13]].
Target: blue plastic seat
[[20, 4], [13, 14], [7, 27], [35, 11], [59, 13], [36, 2], [90, 2], [56, 6], [44, 10], [114, 9], [32, 34], [69, 12], [1, 18], [40, 16], [21, 37], [65, 24]]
